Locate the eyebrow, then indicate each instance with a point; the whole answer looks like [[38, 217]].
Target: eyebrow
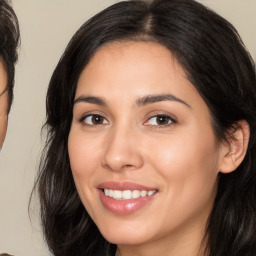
[[158, 98], [146, 100], [90, 99]]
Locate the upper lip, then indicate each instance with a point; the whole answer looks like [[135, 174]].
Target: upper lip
[[117, 185]]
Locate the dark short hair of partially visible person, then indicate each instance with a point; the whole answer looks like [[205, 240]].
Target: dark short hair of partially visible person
[[9, 41]]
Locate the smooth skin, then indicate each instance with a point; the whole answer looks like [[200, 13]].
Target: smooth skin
[[147, 124], [3, 104]]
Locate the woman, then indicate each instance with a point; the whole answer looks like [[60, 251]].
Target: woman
[[151, 136]]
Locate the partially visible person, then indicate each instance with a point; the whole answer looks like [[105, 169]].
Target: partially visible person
[[9, 41]]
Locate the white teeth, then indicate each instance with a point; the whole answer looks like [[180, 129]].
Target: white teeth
[[143, 193], [117, 194], [127, 194], [135, 194], [151, 192], [110, 193], [106, 191]]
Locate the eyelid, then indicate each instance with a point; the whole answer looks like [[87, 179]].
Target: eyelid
[[161, 114], [86, 115], [82, 113]]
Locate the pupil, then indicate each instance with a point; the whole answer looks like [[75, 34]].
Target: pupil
[[97, 119], [162, 120]]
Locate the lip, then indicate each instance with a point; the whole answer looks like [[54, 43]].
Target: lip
[[115, 185], [124, 207]]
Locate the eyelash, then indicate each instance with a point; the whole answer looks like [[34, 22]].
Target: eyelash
[[170, 120], [83, 118]]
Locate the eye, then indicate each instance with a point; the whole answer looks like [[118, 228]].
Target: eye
[[160, 120], [94, 119]]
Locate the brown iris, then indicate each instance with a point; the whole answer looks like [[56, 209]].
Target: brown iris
[[97, 119]]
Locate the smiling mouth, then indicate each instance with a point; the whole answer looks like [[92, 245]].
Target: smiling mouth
[[125, 197], [127, 194]]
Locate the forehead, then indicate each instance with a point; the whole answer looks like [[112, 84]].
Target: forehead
[[130, 60], [135, 53], [137, 66]]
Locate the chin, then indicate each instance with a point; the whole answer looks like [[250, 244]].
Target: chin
[[118, 234], [124, 239]]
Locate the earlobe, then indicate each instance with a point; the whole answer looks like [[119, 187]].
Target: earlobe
[[234, 151]]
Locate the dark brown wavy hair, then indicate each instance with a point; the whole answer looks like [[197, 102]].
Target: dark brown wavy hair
[[216, 62]]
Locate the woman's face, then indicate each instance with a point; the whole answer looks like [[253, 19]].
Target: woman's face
[[3, 104], [142, 150]]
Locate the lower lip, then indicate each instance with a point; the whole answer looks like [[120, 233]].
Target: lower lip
[[124, 206]]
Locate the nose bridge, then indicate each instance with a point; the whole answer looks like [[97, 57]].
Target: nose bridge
[[122, 150]]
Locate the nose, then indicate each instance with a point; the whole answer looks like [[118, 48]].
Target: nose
[[122, 151]]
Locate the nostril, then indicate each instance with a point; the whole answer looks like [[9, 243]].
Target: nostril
[[128, 165]]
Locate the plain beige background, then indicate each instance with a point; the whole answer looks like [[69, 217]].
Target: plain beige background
[[46, 27]]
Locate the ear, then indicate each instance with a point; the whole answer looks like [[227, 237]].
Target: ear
[[234, 150]]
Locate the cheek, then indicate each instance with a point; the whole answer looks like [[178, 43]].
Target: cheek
[[187, 162], [188, 171], [83, 155], [3, 128], [83, 165], [3, 117], [82, 161]]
